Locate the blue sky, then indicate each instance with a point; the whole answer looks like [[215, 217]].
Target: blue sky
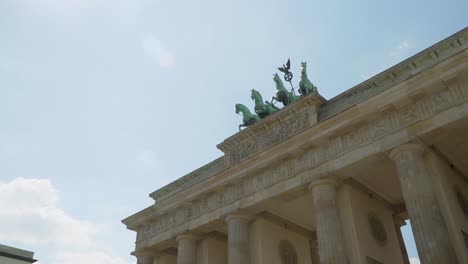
[[104, 101]]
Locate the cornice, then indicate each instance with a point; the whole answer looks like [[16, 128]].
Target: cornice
[[396, 74], [273, 129], [269, 131], [417, 63], [315, 162], [190, 179]]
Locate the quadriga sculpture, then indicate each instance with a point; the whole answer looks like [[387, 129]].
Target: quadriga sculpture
[[247, 117], [305, 85], [282, 95], [262, 108]]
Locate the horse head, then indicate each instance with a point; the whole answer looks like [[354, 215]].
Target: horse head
[[252, 94], [277, 80], [304, 67], [276, 77], [238, 108], [256, 95]]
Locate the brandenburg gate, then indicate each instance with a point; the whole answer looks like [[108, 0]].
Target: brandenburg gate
[[331, 181]]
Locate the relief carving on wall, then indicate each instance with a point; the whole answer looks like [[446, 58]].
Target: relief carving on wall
[[287, 252], [377, 228], [409, 114], [330, 149], [270, 137]]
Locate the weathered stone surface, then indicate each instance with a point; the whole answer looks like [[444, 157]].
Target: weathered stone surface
[[290, 149], [329, 231], [187, 249], [429, 229], [238, 239], [365, 133]]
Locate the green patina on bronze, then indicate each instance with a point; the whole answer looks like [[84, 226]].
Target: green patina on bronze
[[262, 108], [282, 94], [305, 85], [286, 97], [286, 69], [247, 117]]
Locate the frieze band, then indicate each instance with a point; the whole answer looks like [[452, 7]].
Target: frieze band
[[449, 94]]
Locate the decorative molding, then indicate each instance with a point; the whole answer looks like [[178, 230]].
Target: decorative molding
[[272, 130], [337, 145], [295, 118], [396, 74], [16, 257], [244, 144], [190, 179]]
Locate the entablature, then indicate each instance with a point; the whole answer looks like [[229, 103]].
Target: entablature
[[404, 102]]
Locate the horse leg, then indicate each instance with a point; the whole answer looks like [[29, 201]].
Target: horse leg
[[274, 98], [271, 105]]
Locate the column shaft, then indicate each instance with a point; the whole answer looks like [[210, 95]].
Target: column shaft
[[145, 259], [187, 249], [164, 259], [429, 229], [328, 224], [238, 239]]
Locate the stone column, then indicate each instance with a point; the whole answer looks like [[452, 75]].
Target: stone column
[[429, 229], [329, 232], [238, 239], [164, 259], [314, 250], [187, 249]]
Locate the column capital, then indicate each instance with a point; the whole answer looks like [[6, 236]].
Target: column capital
[[413, 147], [187, 249], [238, 238], [186, 237], [429, 228], [145, 257], [238, 216], [324, 181], [331, 245]]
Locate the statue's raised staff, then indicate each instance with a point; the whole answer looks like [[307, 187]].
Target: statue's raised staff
[[286, 69], [262, 108], [282, 94], [305, 85], [247, 117]]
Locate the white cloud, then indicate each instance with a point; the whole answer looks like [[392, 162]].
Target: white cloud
[[401, 51], [156, 50], [414, 260], [30, 215]]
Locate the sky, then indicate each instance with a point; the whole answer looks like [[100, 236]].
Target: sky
[[104, 101]]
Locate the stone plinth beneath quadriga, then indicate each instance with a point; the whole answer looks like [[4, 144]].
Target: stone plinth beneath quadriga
[[331, 181]]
